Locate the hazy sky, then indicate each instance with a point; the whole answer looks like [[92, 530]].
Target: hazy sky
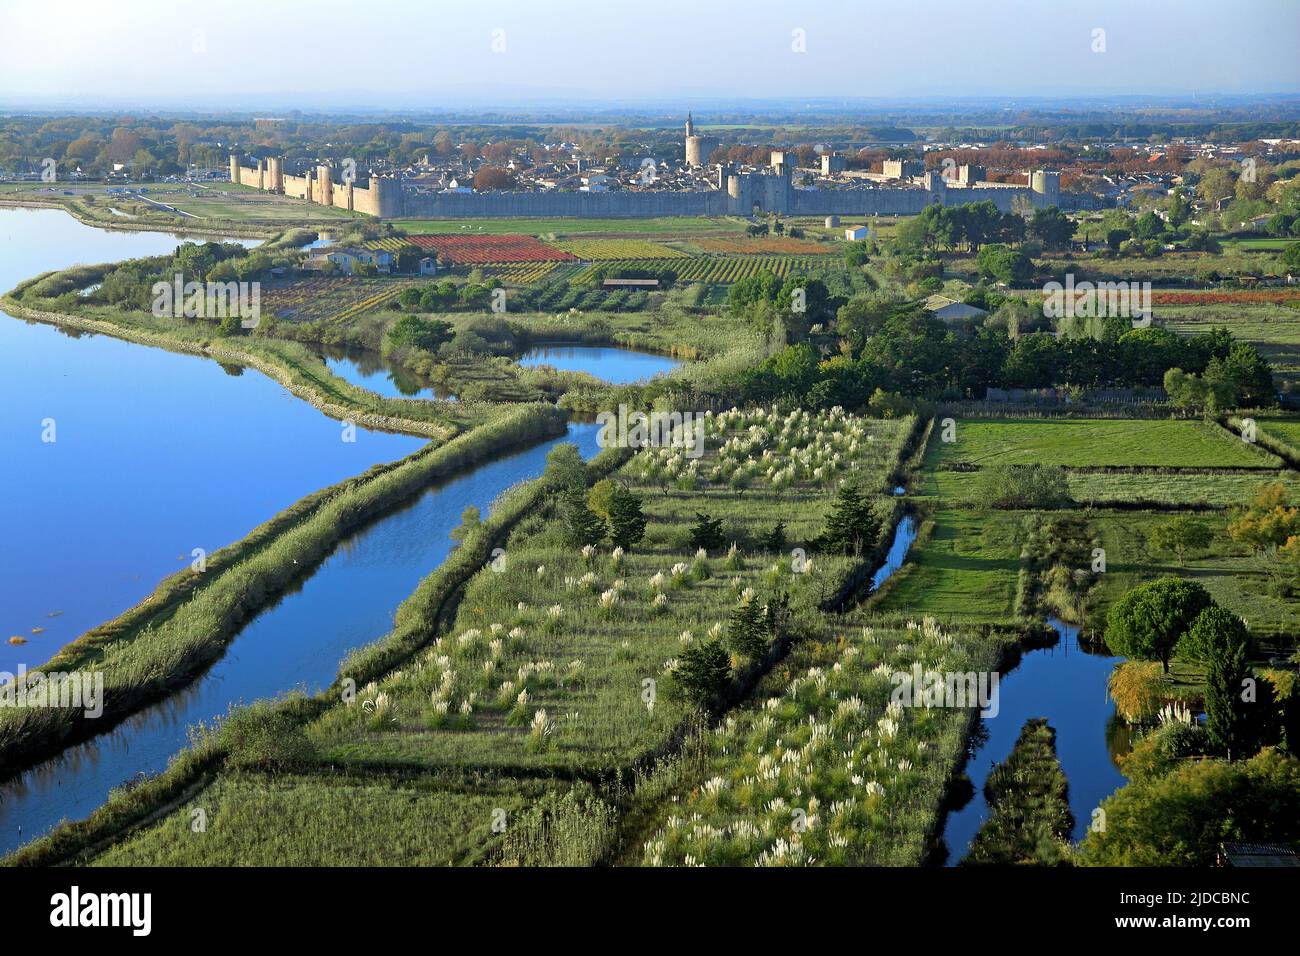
[[435, 53]]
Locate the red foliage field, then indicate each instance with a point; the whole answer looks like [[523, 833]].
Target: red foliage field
[[480, 250], [1239, 296]]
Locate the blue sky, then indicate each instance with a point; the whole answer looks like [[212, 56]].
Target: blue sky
[[435, 53]]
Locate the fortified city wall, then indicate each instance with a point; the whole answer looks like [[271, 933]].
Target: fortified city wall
[[766, 191]]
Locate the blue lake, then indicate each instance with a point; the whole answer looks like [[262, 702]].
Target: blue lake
[[155, 453], [619, 366]]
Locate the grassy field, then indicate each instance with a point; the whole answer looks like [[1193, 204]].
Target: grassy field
[[1096, 442], [966, 564], [1273, 329], [1274, 244], [1227, 570], [344, 821], [1186, 486], [822, 743], [1283, 428], [574, 637], [964, 570]]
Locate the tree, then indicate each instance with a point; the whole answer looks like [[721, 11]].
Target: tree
[[626, 522], [1149, 226], [1269, 521], [414, 332], [746, 632], [1213, 391], [1226, 719], [601, 497], [565, 470], [1116, 238], [703, 672], [1004, 264], [1251, 374], [230, 325], [408, 258], [1291, 258], [1053, 228], [582, 526], [852, 524], [1148, 621], [707, 533], [470, 520], [857, 253], [1214, 632], [1181, 534], [492, 177], [774, 541], [1179, 209], [1181, 818]]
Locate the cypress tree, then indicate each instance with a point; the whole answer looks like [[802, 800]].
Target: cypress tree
[[852, 524], [626, 522], [582, 526], [1225, 717]]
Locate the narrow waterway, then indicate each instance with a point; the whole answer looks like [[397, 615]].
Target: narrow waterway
[[614, 365], [296, 644], [904, 535], [1066, 683], [153, 453]]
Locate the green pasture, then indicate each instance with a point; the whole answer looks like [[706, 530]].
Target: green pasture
[[1148, 443]]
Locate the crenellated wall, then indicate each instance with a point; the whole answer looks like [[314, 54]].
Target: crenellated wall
[[385, 197], [380, 197]]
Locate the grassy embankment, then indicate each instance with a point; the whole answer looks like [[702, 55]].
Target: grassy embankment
[[46, 298], [219, 211], [186, 623]]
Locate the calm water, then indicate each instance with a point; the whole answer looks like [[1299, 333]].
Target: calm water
[[1067, 685], [618, 366], [369, 369], [1064, 683], [297, 644], [155, 453], [904, 535]]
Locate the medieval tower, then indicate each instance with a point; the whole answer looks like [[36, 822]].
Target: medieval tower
[[698, 148]]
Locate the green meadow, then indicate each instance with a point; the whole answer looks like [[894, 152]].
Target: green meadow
[[1077, 443]]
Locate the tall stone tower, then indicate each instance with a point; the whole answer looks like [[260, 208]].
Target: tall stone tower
[[698, 148], [1046, 187]]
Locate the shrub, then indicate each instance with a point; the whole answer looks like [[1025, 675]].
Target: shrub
[[707, 533], [703, 672], [1180, 819], [264, 735], [1024, 486]]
